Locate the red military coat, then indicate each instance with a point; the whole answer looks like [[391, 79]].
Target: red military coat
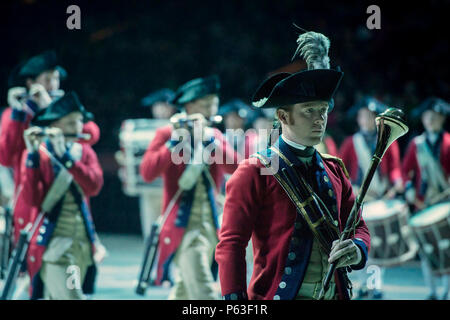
[[157, 161], [256, 206], [411, 169], [390, 167], [36, 180], [12, 145]]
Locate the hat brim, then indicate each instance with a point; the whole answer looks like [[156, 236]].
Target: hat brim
[[372, 104], [436, 104], [286, 89], [60, 108], [44, 120], [196, 89]]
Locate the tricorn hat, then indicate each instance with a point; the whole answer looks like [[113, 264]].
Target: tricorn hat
[[369, 102], [432, 103], [237, 105], [319, 82], [162, 95], [59, 108], [34, 66], [196, 89]]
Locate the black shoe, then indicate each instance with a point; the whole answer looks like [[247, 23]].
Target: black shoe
[[376, 294], [362, 293], [432, 297]]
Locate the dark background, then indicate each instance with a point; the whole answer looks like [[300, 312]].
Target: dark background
[[126, 49]]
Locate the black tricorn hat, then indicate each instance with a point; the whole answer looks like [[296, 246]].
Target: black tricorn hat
[[432, 103], [59, 108], [162, 95], [235, 105], [368, 102], [319, 82], [242, 109], [286, 88], [196, 89], [34, 66]]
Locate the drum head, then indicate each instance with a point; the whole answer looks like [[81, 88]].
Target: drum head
[[431, 215], [381, 209]]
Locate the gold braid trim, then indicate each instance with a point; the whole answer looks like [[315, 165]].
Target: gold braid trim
[[297, 203]]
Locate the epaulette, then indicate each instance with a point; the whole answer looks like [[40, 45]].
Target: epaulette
[[338, 160]]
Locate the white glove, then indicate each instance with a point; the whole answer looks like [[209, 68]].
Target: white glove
[[32, 138], [410, 195], [57, 140], [100, 252], [193, 170], [346, 253], [39, 95], [14, 97]]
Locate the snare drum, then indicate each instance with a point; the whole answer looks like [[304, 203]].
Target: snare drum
[[135, 136], [432, 228], [392, 242]]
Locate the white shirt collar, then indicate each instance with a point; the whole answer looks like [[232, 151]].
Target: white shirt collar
[[292, 143]]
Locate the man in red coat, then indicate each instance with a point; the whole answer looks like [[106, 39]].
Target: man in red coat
[[34, 84], [426, 170], [189, 234], [357, 150], [291, 250], [58, 175]]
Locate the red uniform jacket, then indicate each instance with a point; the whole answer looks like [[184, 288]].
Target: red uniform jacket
[[257, 206], [157, 161], [411, 169], [331, 146], [37, 178], [390, 166], [12, 145]]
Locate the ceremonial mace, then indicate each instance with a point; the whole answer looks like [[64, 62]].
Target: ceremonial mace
[[391, 125]]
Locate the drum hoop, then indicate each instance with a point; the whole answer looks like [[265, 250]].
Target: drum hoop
[[410, 254], [396, 216], [446, 217], [443, 221]]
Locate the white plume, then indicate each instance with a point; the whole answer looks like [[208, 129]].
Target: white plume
[[313, 48]]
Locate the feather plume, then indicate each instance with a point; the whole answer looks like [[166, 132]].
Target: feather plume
[[313, 48]]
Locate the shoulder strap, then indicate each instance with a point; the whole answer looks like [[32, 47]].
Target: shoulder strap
[[59, 186], [431, 168], [337, 160], [364, 160], [317, 226]]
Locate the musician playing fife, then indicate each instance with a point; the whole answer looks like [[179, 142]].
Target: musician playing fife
[[189, 235], [426, 170], [61, 254], [33, 83], [292, 246]]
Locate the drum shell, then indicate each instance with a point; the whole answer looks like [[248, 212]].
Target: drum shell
[[392, 241], [135, 137], [434, 242]]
